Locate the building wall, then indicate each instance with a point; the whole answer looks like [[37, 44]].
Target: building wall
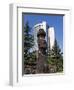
[[51, 37]]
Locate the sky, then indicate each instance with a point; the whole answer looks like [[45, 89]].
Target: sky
[[55, 21]]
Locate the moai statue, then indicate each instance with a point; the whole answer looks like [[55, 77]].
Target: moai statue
[[42, 54]]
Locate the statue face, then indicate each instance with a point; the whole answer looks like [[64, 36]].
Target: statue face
[[42, 44], [41, 32]]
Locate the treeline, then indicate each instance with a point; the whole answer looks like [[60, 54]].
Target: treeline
[[29, 54], [55, 58]]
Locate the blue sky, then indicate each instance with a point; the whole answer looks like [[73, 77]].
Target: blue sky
[[55, 21]]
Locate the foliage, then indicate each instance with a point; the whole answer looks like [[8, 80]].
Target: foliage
[[29, 55], [55, 57]]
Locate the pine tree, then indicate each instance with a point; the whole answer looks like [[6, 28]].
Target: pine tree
[[56, 58], [28, 41], [29, 55]]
